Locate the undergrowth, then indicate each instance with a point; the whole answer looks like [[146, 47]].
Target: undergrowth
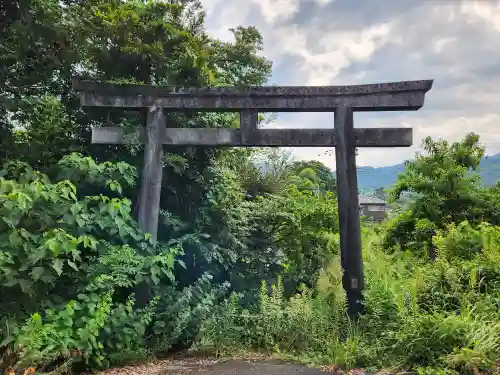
[[410, 322]]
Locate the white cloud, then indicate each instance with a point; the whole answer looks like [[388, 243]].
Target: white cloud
[[322, 42], [324, 2], [220, 17], [484, 11], [277, 10], [334, 51], [439, 44], [339, 50]]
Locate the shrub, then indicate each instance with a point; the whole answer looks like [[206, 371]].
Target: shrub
[[180, 313], [69, 265]]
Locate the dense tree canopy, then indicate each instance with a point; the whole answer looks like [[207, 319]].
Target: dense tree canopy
[[317, 173]]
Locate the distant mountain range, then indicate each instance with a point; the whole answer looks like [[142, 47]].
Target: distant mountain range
[[370, 178]]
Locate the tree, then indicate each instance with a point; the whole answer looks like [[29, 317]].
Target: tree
[[325, 177], [133, 41], [38, 54], [444, 192]]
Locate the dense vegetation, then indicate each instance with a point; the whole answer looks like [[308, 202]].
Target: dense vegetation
[[247, 256]]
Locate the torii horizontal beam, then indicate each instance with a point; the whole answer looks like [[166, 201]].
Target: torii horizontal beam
[[393, 96], [219, 137]]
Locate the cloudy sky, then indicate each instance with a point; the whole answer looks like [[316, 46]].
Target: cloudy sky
[[341, 42]]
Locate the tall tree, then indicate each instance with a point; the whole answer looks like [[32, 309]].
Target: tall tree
[[38, 54]]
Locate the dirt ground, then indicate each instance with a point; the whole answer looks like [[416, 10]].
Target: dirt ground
[[197, 366]]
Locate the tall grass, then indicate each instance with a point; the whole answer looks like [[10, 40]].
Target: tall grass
[[433, 318]]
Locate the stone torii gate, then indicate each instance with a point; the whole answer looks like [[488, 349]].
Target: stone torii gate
[[249, 101]]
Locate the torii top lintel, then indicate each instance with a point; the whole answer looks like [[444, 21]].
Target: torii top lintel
[[392, 96]]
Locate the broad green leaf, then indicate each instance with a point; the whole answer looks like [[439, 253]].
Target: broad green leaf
[[37, 255], [15, 238], [11, 222], [25, 285], [155, 270], [72, 265], [54, 245], [57, 265]]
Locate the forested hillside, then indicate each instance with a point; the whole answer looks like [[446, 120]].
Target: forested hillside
[[370, 178], [247, 259]]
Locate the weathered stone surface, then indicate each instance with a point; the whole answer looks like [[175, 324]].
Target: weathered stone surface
[[382, 137], [360, 103], [207, 137], [152, 172], [113, 135], [151, 90], [202, 137], [348, 206], [407, 95], [249, 119]]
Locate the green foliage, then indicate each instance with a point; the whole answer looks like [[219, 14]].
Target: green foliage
[[37, 41], [63, 249], [239, 63], [77, 258], [91, 329], [65, 334], [259, 238], [265, 172], [43, 121], [303, 226], [274, 324], [320, 177], [445, 193], [138, 30], [180, 314], [407, 324]]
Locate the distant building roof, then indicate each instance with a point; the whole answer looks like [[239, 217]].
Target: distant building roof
[[364, 199]]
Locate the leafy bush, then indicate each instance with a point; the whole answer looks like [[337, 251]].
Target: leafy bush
[[440, 312], [248, 239], [179, 314], [69, 265]]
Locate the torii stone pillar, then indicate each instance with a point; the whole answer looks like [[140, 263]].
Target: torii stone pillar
[[341, 100]]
